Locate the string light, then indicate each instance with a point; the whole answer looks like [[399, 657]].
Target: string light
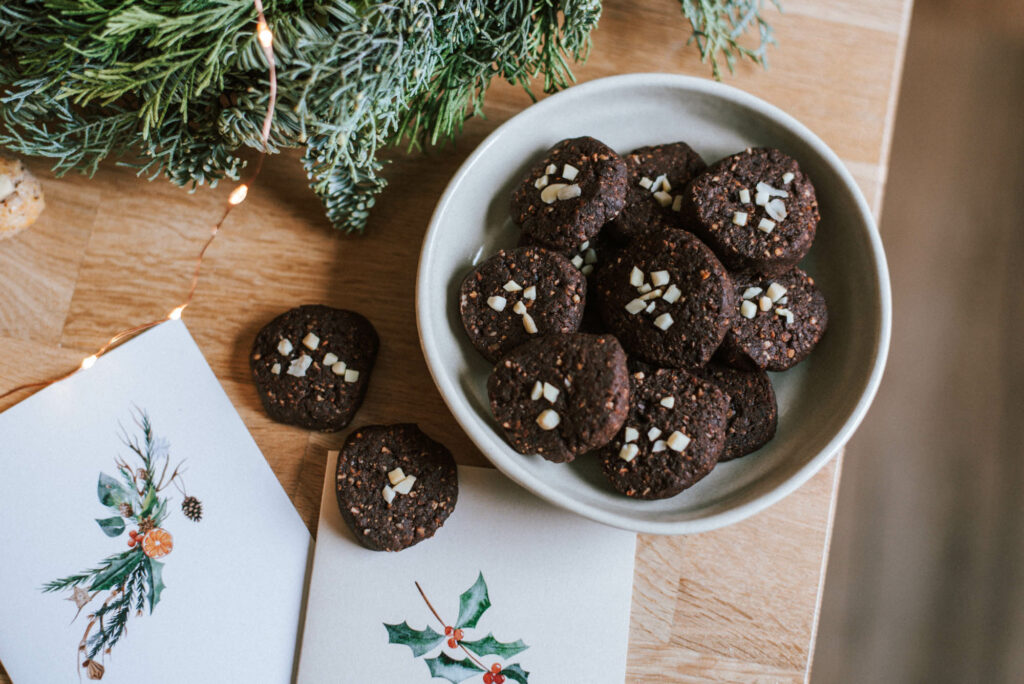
[[266, 40]]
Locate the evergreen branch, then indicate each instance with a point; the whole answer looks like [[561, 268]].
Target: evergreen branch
[[719, 25], [85, 576]]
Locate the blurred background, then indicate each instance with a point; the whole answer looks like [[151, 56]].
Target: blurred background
[[925, 580]]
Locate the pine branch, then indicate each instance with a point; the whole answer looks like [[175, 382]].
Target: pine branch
[[82, 577], [719, 25]]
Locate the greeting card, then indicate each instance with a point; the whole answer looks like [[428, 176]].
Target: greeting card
[[511, 589], [145, 537]]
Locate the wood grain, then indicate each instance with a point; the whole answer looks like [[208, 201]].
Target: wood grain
[[738, 604]]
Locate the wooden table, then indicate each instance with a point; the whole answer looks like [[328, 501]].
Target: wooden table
[[739, 604]]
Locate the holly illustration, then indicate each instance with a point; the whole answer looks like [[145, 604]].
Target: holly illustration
[[473, 603]]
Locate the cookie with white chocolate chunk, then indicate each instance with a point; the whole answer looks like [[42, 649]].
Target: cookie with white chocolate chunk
[[561, 396], [312, 366], [21, 197], [395, 485]]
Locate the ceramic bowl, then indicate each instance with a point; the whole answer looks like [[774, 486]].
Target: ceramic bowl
[[821, 401]]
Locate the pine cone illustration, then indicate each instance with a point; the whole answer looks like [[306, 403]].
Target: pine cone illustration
[[125, 510], [145, 525], [93, 669], [192, 508]]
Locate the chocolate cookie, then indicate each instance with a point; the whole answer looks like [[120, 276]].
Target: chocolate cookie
[[518, 295], [667, 298], [753, 411], [672, 437], [755, 209], [561, 396], [312, 366], [395, 486], [566, 197], [655, 180], [777, 321]]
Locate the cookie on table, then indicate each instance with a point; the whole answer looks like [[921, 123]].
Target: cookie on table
[[656, 178], [567, 196], [778, 320], [561, 396], [753, 411], [667, 298], [756, 209], [21, 197], [395, 486], [518, 295], [312, 366], [673, 435]]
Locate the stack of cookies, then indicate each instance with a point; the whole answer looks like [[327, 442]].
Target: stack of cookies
[[648, 297]]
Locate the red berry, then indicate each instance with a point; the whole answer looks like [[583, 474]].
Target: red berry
[[458, 635], [131, 542], [488, 678], [499, 679], [451, 643], [495, 668], [133, 533], [447, 631]]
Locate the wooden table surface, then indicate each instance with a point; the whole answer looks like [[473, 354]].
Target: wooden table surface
[[738, 604]]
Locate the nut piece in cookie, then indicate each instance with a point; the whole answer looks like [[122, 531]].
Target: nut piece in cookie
[[673, 434], [561, 396], [753, 410], [519, 295], [21, 197], [566, 197], [312, 366], [656, 178], [667, 298], [777, 321], [395, 486], [756, 210]]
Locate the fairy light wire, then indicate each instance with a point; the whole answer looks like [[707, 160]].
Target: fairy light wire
[[265, 38]]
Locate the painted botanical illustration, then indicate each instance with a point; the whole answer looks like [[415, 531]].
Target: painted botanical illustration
[[486, 657], [131, 580]]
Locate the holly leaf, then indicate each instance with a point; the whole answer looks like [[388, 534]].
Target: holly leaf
[[115, 573], [491, 646], [472, 603], [453, 670], [516, 672], [110, 491], [420, 641], [112, 527], [148, 502], [156, 582]]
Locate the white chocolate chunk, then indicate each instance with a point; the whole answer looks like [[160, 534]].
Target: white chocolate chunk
[[548, 420], [664, 321], [587, 269], [497, 303], [351, 375], [551, 169], [529, 324], [519, 308], [631, 434], [659, 446], [744, 195], [299, 366], [659, 278], [653, 434], [339, 368], [330, 359], [530, 292], [569, 192], [752, 292], [584, 245], [284, 347], [541, 182], [665, 185], [405, 486], [775, 291], [672, 294], [653, 294], [646, 183], [311, 341], [628, 452], [766, 225], [770, 191], [748, 309], [512, 286], [782, 300], [635, 306], [761, 199], [668, 402], [776, 208], [740, 218], [788, 177], [550, 193], [650, 307], [569, 172], [677, 203], [396, 476], [577, 261], [664, 199], [677, 441], [388, 493], [550, 393], [276, 369], [644, 289], [537, 392], [636, 277], [590, 256], [787, 314], [764, 303]]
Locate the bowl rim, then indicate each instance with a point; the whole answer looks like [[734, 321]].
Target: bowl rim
[[478, 432]]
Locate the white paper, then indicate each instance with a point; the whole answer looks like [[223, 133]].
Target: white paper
[[231, 607], [558, 582]]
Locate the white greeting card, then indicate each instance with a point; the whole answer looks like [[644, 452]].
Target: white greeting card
[[144, 537], [534, 595]]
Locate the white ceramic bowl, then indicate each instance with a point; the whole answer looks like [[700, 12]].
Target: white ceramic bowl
[[821, 401]]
